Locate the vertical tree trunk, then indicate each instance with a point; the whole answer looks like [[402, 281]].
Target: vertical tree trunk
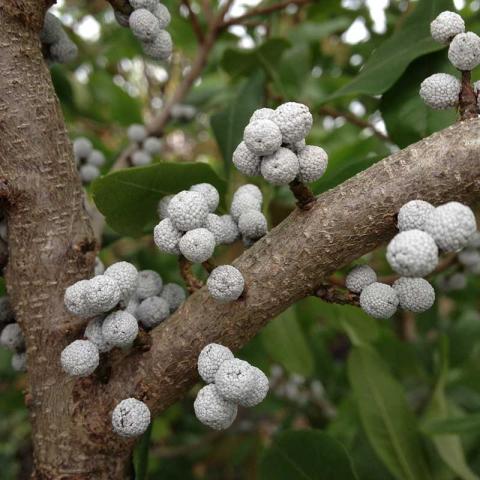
[[51, 245]]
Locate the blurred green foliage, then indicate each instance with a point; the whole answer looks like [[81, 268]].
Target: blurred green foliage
[[350, 399]]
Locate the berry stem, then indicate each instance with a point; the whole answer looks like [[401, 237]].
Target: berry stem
[[468, 100], [330, 294], [209, 266], [193, 283], [303, 194]]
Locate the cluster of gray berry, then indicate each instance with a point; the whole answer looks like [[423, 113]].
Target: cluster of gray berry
[[57, 46], [148, 22], [11, 336], [442, 90], [413, 254], [88, 160], [189, 226], [231, 382], [147, 146], [274, 146], [118, 299], [469, 260]]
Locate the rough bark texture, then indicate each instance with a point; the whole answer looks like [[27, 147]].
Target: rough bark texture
[[293, 259], [50, 245]]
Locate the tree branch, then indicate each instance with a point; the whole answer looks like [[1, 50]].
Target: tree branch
[[295, 257], [258, 11], [197, 28]]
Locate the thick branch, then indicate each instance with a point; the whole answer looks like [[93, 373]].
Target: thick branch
[[468, 100], [197, 28], [295, 257]]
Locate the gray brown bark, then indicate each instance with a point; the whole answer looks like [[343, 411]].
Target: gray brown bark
[[50, 245]]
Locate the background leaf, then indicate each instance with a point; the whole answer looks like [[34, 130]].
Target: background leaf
[[128, 198], [385, 415], [306, 455]]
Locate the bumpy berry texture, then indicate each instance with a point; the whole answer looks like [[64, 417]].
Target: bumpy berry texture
[[19, 362], [80, 358], [162, 208], [188, 210], [474, 240], [52, 30], [280, 168], [230, 232], [413, 253], [174, 295], [360, 277], [441, 91], [166, 237], [414, 294], [120, 329], [312, 162], [252, 224], [102, 294], [210, 359], [258, 392], [225, 284], [464, 51], [136, 133], [446, 26], [469, 257], [96, 158], [126, 276], [235, 380], [152, 311], [262, 114], [63, 51], [243, 203], [162, 14], [88, 173], [379, 300], [160, 48], [213, 410], [209, 192], [140, 158], [413, 214], [82, 148], [93, 332], [246, 161], [197, 245], [147, 4], [144, 25], [262, 137], [75, 300], [150, 284], [152, 145], [12, 337], [294, 120], [451, 226], [251, 190], [130, 418]]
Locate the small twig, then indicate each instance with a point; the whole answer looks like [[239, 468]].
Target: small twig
[[331, 294], [354, 120], [209, 266], [192, 282], [407, 326], [254, 12], [197, 28], [468, 100], [303, 194]]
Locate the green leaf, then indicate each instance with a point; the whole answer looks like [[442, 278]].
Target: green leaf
[[406, 116], [140, 455], [244, 62], [393, 56], [229, 124], [386, 416], [449, 446], [459, 425], [285, 342], [128, 198], [306, 455]]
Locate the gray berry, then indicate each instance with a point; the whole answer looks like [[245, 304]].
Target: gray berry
[[262, 137], [152, 311], [379, 300], [197, 245], [225, 284], [281, 168]]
